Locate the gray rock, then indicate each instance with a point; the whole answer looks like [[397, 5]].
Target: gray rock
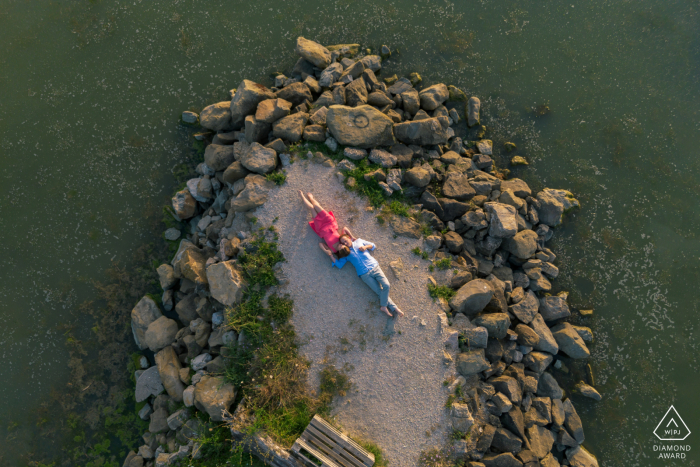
[[410, 101], [253, 195], [172, 234], [379, 99], [505, 441], [259, 159], [218, 157], [245, 101], [356, 93], [503, 404], [159, 421], [472, 297], [405, 226], [200, 362], [537, 281], [373, 62], [166, 276], [296, 93], [537, 361], [417, 177], [517, 186], [541, 440], [235, 172], [501, 460], [587, 391], [423, 132], [547, 386], [383, 158], [291, 127], [184, 204], [572, 422], [330, 75], [547, 342], [148, 384], [514, 421], [146, 410], [472, 362], [484, 441], [585, 333], [454, 242], [313, 52], [476, 337], [362, 126], [177, 419], [188, 396], [553, 204], [549, 461], [186, 308], [555, 307], [271, 110], [256, 130], [394, 178], [457, 187], [579, 457], [169, 370], [475, 220], [526, 336], [434, 96], [526, 309], [213, 395], [216, 117], [355, 154], [508, 386], [558, 415], [314, 133], [226, 283], [569, 341], [496, 323], [503, 223], [523, 244], [144, 313], [461, 417], [473, 107], [485, 146]]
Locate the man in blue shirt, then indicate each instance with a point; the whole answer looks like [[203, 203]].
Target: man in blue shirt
[[369, 271]]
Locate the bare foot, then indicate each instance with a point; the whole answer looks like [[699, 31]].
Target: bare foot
[[386, 310], [399, 312], [310, 196]]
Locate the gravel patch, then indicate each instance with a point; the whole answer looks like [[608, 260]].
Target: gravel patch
[[398, 397]]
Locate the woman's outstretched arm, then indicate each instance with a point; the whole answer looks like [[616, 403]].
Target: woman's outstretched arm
[[346, 231]]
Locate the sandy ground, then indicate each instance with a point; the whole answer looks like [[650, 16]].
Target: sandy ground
[[398, 397]]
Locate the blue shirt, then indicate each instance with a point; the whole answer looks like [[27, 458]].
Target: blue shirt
[[363, 261]]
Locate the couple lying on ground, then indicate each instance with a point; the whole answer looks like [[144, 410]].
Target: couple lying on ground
[[348, 248]]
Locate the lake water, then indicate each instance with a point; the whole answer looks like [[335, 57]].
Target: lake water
[[91, 96]]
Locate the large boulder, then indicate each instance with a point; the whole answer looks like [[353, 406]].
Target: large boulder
[[144, 313], [473, 107], [418, 177], [572, 422], [235, 172], [256, 131], [457, 187], [424, 132], [216, 117], [313, 52], [526, 309], [472, 362], [245, 101], [160, 333], [541, 440], [189, 264], [166, 276], [186, 308], [508, 386], [218, 156], [547, 386], [472, 297], [169, 370], [505, 459], [212, 395], [361, 127], [271, 110], [433, 97], [461, 417], [296, 93], [522, 245], [405, 226], [291, 127], [497, 324], [253, 195], [356, 93], [411, 101], [148, 384], [517, 186], [547, 342], [553, 204], [503, 222], [569, 341], [259, 159], [184, 204], [505, 441], [554, 307], [330, 75], [225, 282], [579, 457]]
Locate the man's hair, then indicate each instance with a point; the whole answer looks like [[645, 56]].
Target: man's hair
[[343, 251], [345, 235]]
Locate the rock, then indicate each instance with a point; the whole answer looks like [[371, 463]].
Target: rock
[[454, 242], [144, 313], [226, 283], [373, 62], [503, 404], [433, 242], [394, 179], [514, 421], [505, 441], [177, 419], [356, 93], [147, 410], [508, 386], [291, 127], [526, 336], [547, 386], [377, 174], [379, 99], [450, 157], [424, 132], [330, 75], [472, 362], [218, 157], [526, 309], [587, 391], [252, 196], [235, 172], [200, 362], [472, 297], [245, 101], [518, 160], [213, 395], [417, 177], [271, 110], [523, 245], [159, 421], [476, 337], [503, 223], [572, 422], [190, 265], [355, 153], [554, 307], [172, 234], [549, 461], [188, 396], [410, 101], [461, 417], [558, 415], [457, 187], [259, 159], [496, 323], [569, 341], [553, 204], [383, 158], [541, 440], [184, 204], [405, 226], [475, 220], [485, 146], [160, 333], [148, 384], [585, 333], [216, 117], [362, 126], [314, 133], [434, 96], [397, 267], [313, 52], [579, 457], [501, 460], [346, 165], [169, 370], [473, 107], [547, 342], [537, 361], [296, 93], [256, 130], [517, 186]]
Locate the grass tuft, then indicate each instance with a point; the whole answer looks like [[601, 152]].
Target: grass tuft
[[440, 291], [278, 177]]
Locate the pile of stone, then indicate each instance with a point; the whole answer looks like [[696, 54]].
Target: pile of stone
[[495, 238]]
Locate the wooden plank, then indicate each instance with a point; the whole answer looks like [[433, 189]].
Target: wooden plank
[[324, 460], [367, 458], [330, 448]]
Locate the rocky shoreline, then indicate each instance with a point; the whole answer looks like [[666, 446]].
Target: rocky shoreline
[[502, 330]]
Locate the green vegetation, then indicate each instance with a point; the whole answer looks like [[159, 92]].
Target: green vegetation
[[444, 263], [417, 251], [216, 450], [441, 291], [278, 177], [379, 460]]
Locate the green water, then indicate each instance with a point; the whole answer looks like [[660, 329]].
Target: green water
[[91, 93]]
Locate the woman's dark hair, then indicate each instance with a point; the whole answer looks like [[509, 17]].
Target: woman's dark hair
[[343, 251]]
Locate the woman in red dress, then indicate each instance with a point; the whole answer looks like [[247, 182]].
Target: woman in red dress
[[326, 227]]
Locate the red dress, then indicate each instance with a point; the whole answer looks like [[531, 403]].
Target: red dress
[[326, 227]]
